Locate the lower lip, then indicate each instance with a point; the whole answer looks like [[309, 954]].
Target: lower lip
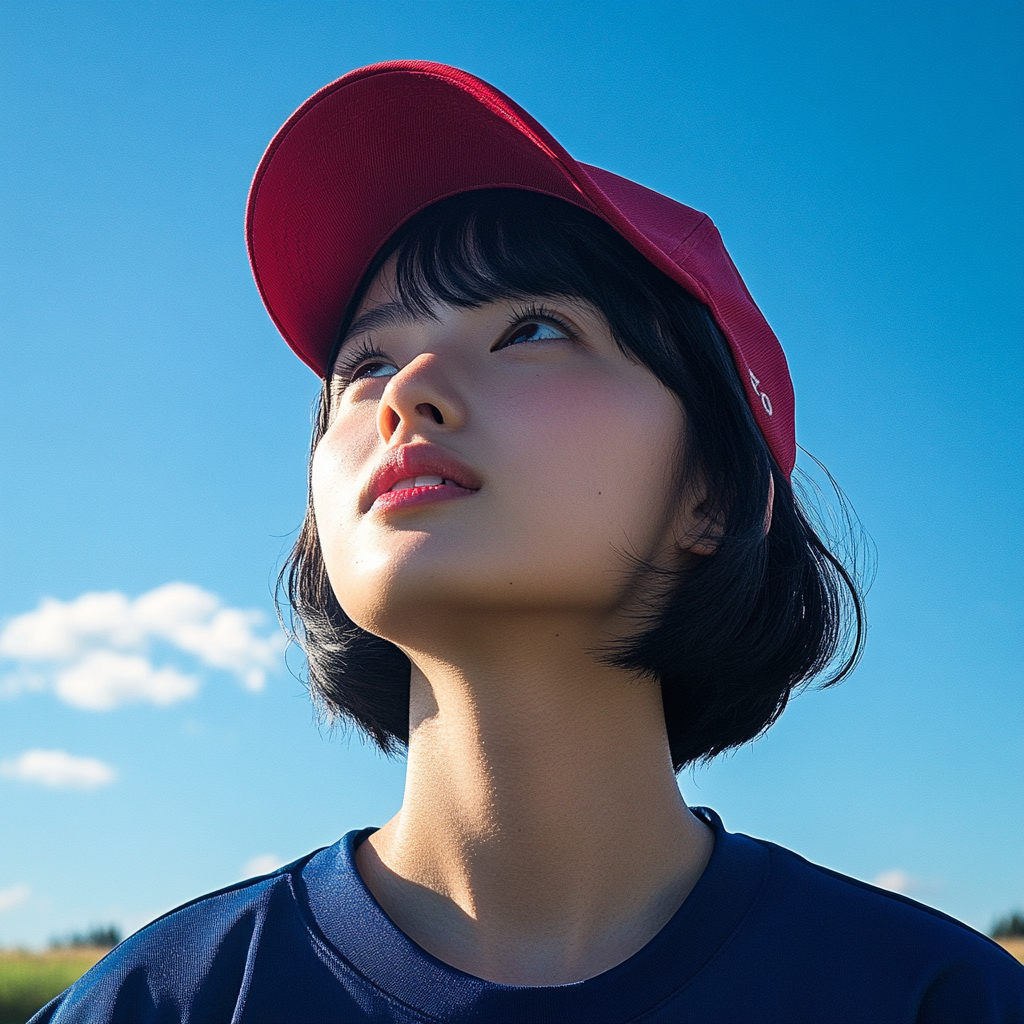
[[391, 501]]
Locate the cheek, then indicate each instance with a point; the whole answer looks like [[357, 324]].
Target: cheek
[[335, 478], [595, 463], [578, 470]]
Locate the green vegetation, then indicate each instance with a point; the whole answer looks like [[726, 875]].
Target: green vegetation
[[1009, 927], [29, 981], [105, 936]]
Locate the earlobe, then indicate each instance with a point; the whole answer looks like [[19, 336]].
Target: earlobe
[[702, 547]]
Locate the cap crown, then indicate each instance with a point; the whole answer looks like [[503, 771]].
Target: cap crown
[[367, 152]]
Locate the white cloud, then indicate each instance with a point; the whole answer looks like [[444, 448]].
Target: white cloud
[[13, 897], [58, 630], [898, 880], [58, 770], [261, 865], [102, 680], [95, 650]]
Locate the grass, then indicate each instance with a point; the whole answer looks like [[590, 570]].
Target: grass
[[29, 981]]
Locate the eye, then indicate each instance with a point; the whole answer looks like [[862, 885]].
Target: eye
[[374, 370], [536, 323], [535, 332], [366, 361]]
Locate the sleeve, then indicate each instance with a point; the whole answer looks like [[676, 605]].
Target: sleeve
[[189, 965], [989, 991], [45, 1015], [126, 988]]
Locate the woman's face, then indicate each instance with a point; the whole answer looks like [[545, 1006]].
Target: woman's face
[[497, 459]]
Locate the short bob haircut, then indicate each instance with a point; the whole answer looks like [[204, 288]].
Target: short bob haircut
[[733, 633]]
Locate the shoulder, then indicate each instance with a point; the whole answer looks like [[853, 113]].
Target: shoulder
[[832, 899], [191, 962], [949, 970]]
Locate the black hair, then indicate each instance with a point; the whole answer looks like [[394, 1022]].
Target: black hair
[[733, 633]]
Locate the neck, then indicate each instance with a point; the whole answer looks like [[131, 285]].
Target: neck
[[542, 838]]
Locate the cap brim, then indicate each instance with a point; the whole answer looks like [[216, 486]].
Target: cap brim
[[367, 152], [357, 160]]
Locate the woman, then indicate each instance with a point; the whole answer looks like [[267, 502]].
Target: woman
[[552, 548]]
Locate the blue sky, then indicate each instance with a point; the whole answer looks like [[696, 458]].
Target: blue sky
[[863, 162]]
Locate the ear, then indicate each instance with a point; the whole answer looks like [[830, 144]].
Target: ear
[[694, 532]]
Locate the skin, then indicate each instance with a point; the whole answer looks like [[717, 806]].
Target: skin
[[542, 838]]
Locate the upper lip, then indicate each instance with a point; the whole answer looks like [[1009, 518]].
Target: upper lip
[[412, 460]]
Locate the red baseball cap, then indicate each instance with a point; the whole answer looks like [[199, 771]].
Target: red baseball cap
[[368, 151]]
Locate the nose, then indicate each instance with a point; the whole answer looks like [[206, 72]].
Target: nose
[[419, 397]]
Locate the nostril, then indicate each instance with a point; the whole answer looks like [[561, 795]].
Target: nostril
[[430, 410]]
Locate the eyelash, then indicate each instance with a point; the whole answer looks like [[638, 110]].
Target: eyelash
[[368, 354], [538, 314], [362, 358]]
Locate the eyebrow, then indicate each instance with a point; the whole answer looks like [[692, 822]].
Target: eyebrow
[[396, 313]]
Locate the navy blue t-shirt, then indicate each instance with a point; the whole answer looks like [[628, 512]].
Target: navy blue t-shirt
[[764, 936]]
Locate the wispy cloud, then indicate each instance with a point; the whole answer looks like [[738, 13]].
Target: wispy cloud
[[13, 897], [895, 880], [58, 770], [898, 880], [261, 865], [95, 652]]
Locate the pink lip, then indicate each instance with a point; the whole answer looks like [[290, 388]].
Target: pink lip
[[412, 460]]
